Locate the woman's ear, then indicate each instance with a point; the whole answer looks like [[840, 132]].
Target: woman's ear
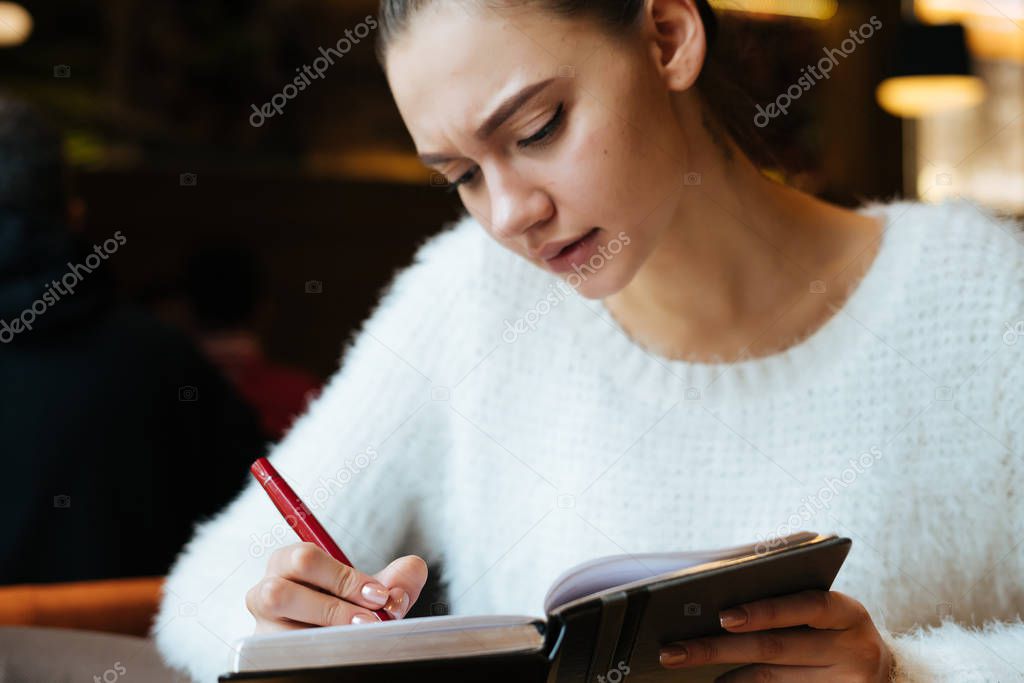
[[678, 40]]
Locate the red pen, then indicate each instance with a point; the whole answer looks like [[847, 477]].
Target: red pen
[[298, 516]]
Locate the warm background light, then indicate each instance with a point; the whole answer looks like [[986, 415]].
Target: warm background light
[[15, 24], [995, 28], [915, 96], [370, 164], [805, 9], [976, 153], [942, 11]]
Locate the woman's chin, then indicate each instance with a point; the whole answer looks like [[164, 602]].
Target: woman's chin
[[599, 285]]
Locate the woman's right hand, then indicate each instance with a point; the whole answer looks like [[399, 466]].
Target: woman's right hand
[[304, 587]]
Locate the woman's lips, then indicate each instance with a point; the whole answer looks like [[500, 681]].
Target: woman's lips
[[575, 254]]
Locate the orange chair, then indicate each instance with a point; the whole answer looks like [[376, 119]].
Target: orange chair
[[114, 606]]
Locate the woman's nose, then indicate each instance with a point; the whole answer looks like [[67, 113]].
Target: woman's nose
[[516, 205]]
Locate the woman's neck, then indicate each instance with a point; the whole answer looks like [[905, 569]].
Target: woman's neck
[[736, 273]]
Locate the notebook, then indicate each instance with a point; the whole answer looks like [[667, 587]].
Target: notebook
[[605, 620]]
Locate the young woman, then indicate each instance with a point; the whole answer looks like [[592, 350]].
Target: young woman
[[738, 361]]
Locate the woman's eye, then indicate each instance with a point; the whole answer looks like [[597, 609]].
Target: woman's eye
[[547, 131], [552, 126], [466, 179]]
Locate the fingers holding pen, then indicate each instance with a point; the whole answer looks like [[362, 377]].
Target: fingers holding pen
[[307, 564]]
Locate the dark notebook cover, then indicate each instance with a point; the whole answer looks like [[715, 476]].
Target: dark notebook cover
[[600, 638]]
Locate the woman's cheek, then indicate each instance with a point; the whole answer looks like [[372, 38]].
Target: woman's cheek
[[597, 167]]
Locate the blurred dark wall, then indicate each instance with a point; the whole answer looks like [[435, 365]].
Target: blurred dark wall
[[350, 237], [864, 144]]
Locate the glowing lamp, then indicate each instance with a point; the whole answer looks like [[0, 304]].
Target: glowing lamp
[[15, 24], [930, 73]]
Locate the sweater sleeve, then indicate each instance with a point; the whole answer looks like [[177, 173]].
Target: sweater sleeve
[[365, 458], [953, 653], [956, 653]]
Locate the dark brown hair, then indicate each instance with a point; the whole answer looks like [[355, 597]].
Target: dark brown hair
[[730, 106]]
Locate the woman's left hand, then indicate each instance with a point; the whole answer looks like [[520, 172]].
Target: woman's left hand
[[772, 636]]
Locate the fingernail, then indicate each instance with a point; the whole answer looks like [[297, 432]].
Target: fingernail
[[398, 604], [674, 654], [375, 594], [733, 617], [364, 619]]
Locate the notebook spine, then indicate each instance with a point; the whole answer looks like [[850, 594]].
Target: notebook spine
[[613, 613], [637, 606], [571, 636]]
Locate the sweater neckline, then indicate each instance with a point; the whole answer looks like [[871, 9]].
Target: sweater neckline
[[805, 362]]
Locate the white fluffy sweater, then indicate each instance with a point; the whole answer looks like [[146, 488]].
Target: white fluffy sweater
[[494, 423]]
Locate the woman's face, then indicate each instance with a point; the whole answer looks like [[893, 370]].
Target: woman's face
[[588, 147]]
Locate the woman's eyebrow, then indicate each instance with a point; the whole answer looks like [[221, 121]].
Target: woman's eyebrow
[[503, 113]]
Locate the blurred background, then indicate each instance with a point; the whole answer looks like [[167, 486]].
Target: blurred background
[[157, 99], [264, 240]]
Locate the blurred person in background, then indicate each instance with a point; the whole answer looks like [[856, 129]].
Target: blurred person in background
[[225, 287], [103, 410]]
